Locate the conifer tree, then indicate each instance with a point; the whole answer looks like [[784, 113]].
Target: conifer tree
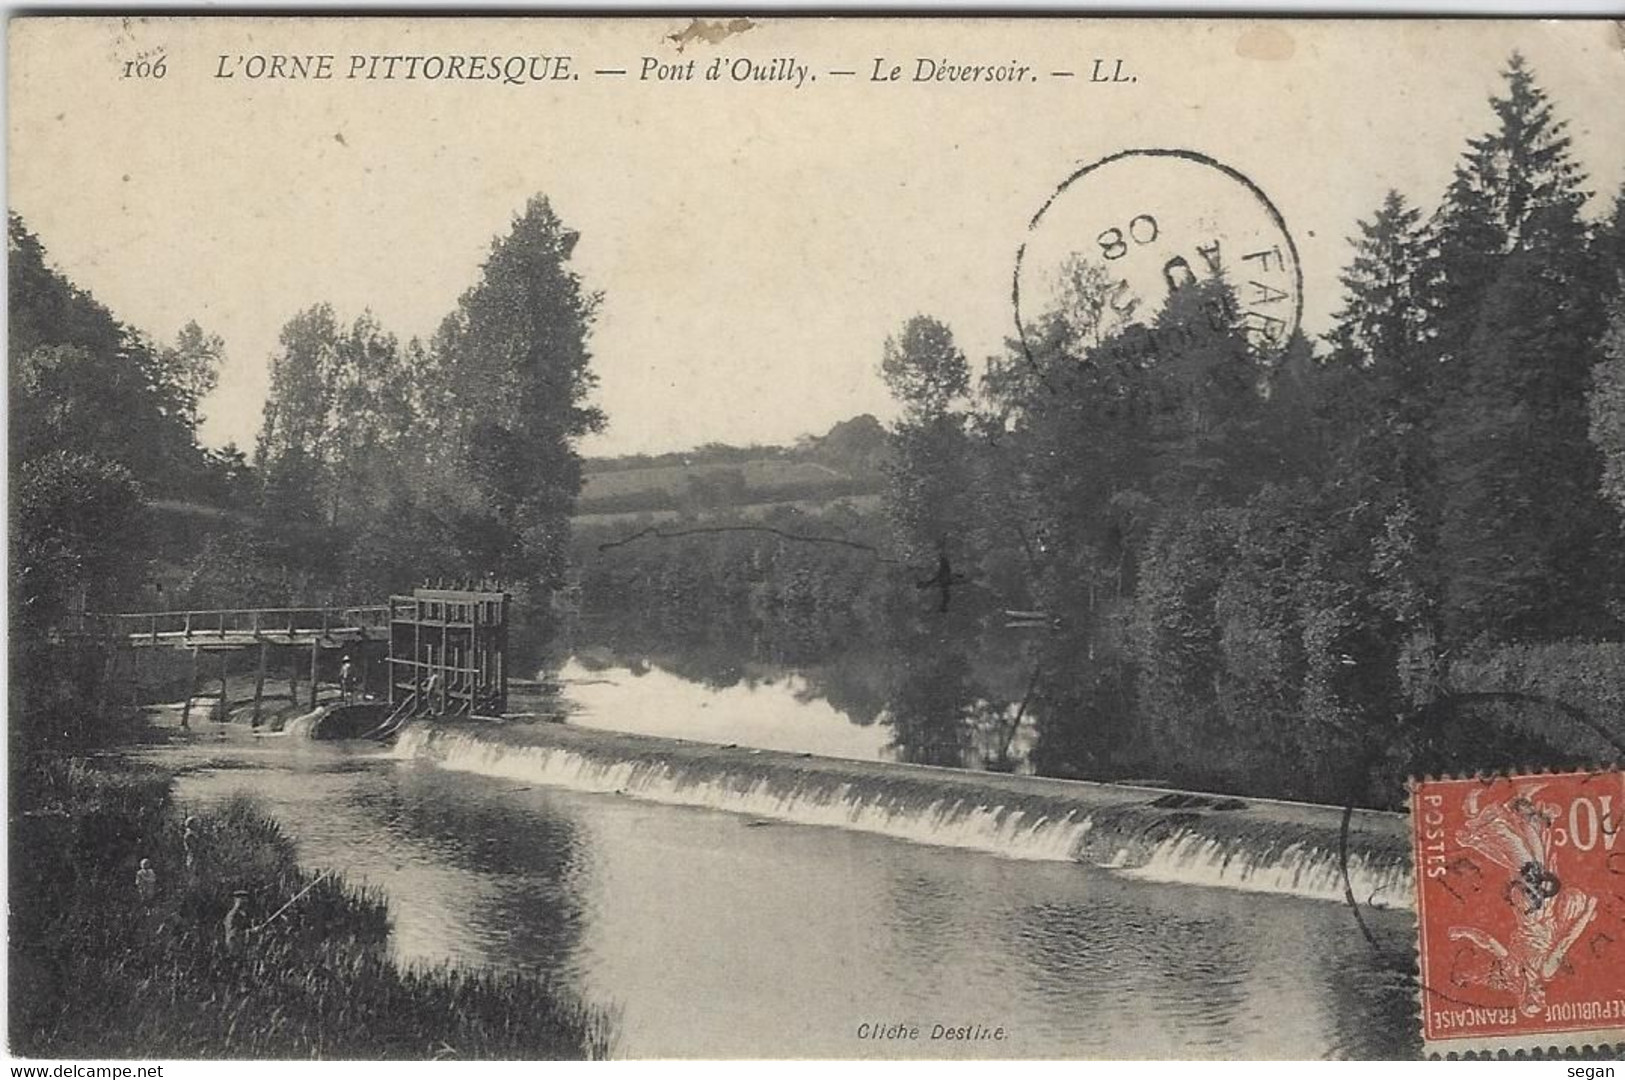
[[1378, 342], [1382, 318], [1517, 316], [1383, 406], [1607, 408]]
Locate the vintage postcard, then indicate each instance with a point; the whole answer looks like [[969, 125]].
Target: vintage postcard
[[778, 537]]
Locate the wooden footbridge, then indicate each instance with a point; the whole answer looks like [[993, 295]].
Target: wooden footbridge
[[445, 649]]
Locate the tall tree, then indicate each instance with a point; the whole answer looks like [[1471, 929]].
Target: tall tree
[[339, 429], [924, 368], [298, 410], [1607, 408], [1381, 322], [510, 378], [1380, 332], [1515, 187], [382, 463], [928, 473], [191, 368], [1385, 398], [84, 382], [1521, 522]]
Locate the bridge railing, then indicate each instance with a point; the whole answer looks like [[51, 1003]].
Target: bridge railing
[[223, 622], [455, 607]]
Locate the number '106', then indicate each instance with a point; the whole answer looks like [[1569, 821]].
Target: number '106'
[[145, 69]]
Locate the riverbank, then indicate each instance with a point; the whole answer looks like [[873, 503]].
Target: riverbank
[[108, 962]]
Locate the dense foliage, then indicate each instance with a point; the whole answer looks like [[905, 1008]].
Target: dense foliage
[[1291, 572], [377, 465], [1306, 572], [383, 464]]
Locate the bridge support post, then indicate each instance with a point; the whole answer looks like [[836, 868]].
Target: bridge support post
[[191, 692], [224, 716], [417, 660], [441, 707], [502, 658], [293, 679], [315, 650], [259, 683]]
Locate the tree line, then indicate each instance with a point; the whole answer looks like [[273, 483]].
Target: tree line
[[1302, 572], [1271, 566], [378, 464], [381, 464]]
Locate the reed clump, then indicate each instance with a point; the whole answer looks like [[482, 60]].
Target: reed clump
[[104, 968]]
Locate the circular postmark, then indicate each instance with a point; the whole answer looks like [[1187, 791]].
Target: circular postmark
[[1120, 236]]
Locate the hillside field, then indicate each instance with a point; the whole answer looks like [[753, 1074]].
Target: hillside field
[[762, 477]]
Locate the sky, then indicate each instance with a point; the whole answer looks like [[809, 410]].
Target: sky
[[755, 242]]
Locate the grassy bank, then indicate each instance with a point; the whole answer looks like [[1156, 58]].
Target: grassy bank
[[98, 970]]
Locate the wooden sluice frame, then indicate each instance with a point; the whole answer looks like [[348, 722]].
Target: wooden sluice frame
[[448, 652]]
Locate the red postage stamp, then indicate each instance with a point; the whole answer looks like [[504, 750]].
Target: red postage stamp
[[1521, 910]]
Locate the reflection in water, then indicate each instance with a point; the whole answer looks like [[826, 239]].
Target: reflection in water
[[717, 935], [932, 704], [941, 691], [1052, 699], [464, 877], [777, 711], [529, 861]]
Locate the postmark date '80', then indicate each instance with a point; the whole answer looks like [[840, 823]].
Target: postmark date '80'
[[1141, 224]]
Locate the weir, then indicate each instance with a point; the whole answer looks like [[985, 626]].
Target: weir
[[1184, 837]]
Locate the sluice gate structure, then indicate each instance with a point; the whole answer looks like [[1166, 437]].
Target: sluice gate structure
[[444, 650], [448, 653]]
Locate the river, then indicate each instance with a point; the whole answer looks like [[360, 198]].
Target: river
[[722, 934]]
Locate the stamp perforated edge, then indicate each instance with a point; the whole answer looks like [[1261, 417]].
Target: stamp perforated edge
[[1596, 1042]]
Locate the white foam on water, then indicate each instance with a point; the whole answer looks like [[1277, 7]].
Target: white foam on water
[[1187, 856], [1191, 858], [300, 726], [945, 822]]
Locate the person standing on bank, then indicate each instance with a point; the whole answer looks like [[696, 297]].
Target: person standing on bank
[[146, 882], [346, 679], [189, 841], [237, 922]]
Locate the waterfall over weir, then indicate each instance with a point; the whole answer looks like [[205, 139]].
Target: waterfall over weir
[[1256, 845]]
